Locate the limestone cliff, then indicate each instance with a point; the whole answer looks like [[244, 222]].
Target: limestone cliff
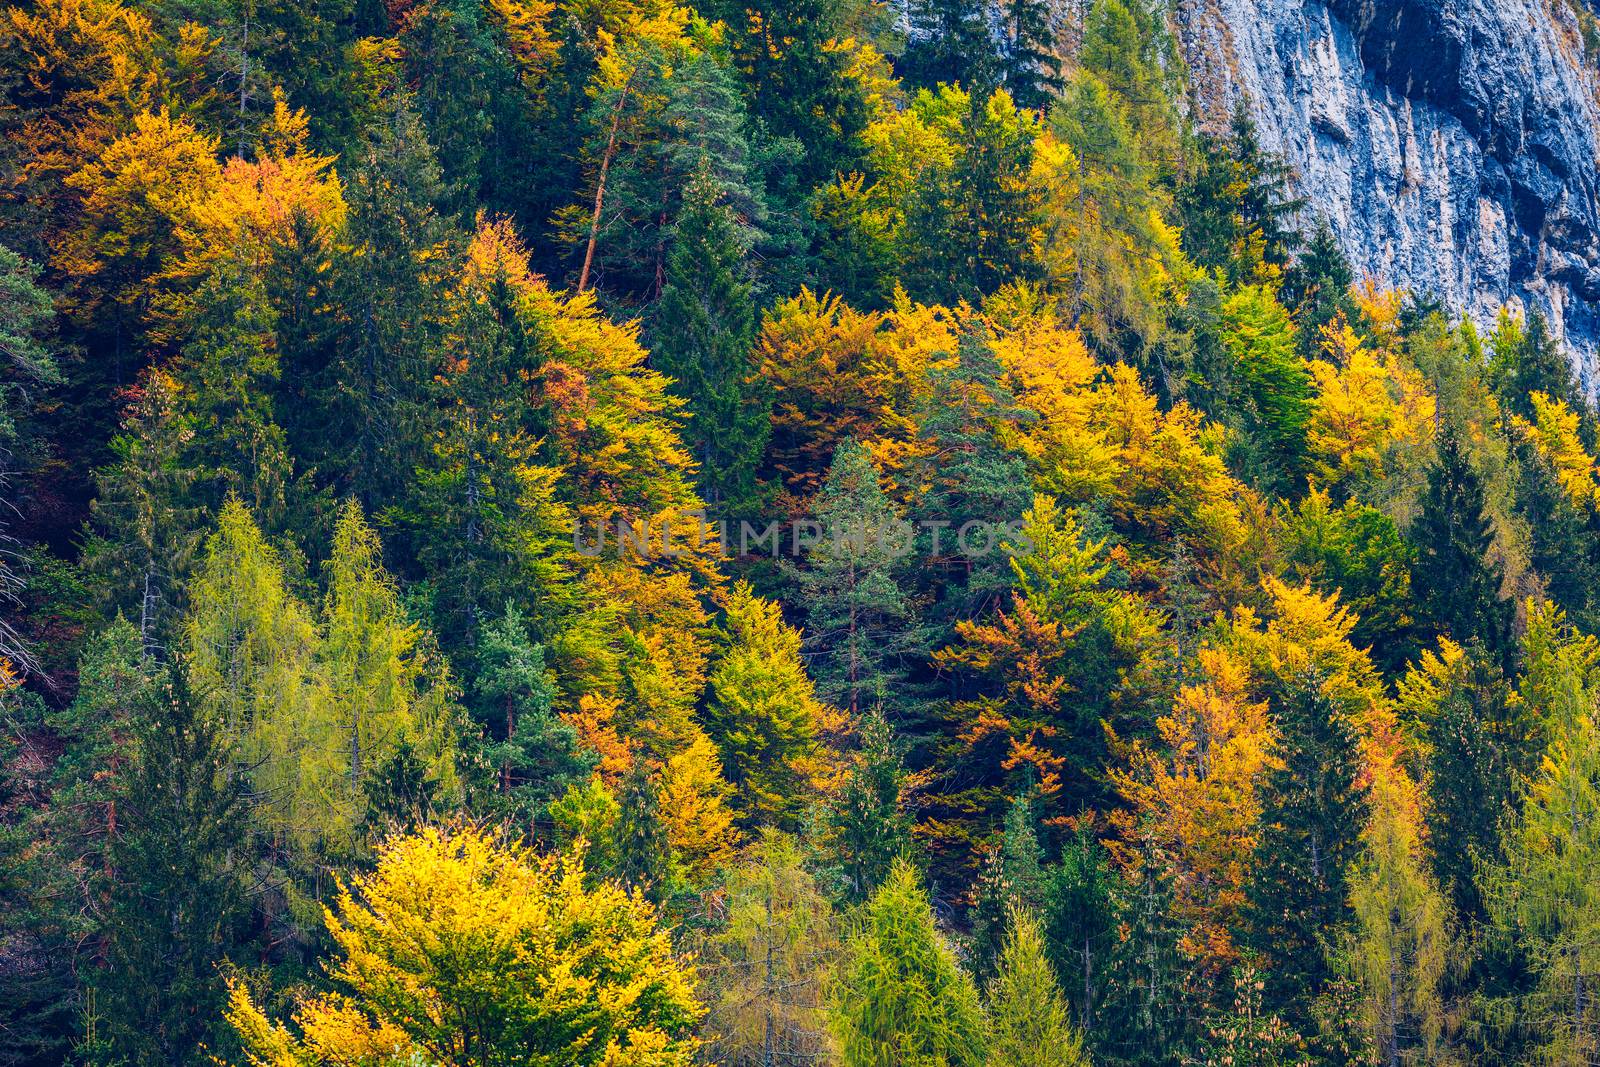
[[1453, 145]]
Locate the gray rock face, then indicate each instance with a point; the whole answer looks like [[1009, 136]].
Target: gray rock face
[[1452, 145]]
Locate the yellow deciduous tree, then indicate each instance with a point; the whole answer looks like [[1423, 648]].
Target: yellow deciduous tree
[[464, 949]]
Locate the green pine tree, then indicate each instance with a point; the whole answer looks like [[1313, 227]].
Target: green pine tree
[[643, 855], [950, 44], [858, 616], [1312, 815], [870, 824], [1482, 743], [1460, 591], [533, 754], [705, 323], [1012, 882], [1030, 63], [176, 898]]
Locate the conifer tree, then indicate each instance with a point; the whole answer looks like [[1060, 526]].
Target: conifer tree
[[902, 997], [534, 754], [1312, 815], [1030, 65], [1237, 205], [145, 526], [970, 477], [950, 44], [767, 970], [704, 328], [764, 714], [362, 430], [176, 902], [870, 822], [1273, 384], [858, 616], [1526, 358], [1317, 287], [1481, 744], [1543, 898], [1399, 946], [1460, 592], [1030, 1024], [643, 855], [483, 511], [1012, 883], [1080, 922], [798, 80]]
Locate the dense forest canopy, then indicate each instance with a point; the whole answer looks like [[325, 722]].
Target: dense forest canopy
[[1161, 644]]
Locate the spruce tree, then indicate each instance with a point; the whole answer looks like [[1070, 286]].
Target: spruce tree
[[363, 430], [870, 824], [1482, 742], [1317, 287], [483, 512], [1081, 922], [1312, 815], [1237, 204], [176, 896], [1012, 882], [797, 79], [145, 527], [534, 756], [1030, 65], [705, 324], [950, 44], [1458, 589], [859, 618], [643, 855]]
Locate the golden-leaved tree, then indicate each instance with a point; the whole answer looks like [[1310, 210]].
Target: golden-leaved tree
[[466, 949]]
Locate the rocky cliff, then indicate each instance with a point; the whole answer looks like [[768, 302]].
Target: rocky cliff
[[1453, 145]]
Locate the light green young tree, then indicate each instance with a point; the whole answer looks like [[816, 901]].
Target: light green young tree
[[1030, 1024], [1399, 947], [764, 712], [903, 998]]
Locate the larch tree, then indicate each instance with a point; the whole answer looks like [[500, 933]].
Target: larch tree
[[764, 714], [902, 997], [768, 968], [1030, 1024]]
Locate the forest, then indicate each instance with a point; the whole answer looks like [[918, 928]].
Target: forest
[[1260, 726]]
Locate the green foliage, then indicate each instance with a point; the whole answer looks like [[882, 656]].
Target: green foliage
[[764, 714], [1029, 1022], [704, 326], [177, 877], [1012, 882], [1454, 571], [870, 822], [858, 615], [902, 997], [1312, 814], [533, 755], [1273, 386]]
